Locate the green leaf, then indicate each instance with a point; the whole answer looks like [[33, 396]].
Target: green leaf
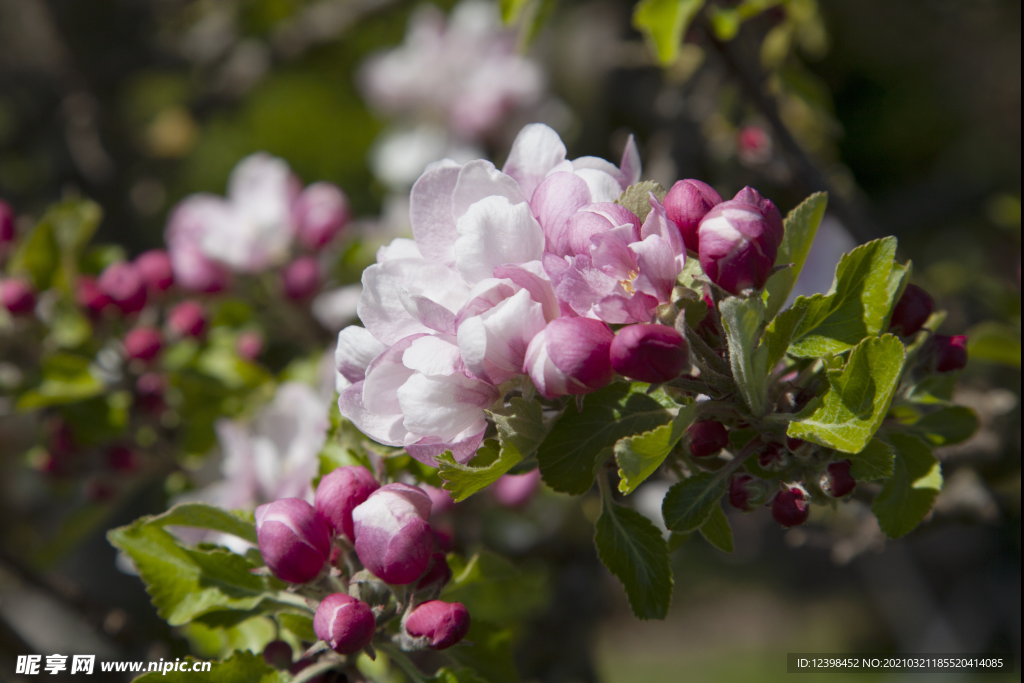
[[446, 675], [521, 430], [909, 495], [632, 549], [205, 516], [580, 441], [857, 307], [690, 502], [994, 343], [241, 667], [487, 650], [639, 456], [874, 462], [495, 590], [299, 624], [801, 227], [742, 318], [37, 257], [779, 335], [717, 531], [664, 23], [947, 426], [857, 400], [69, 328], [66, 378], [185, 583], [637, 198]]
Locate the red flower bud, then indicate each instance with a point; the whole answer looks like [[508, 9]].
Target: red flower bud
[[947, 353], [570, 356], [516, 490], [294, 540], [278, 654], [90, 297], [707, 438], [771, 457], [438, 572], [793, 444], [249, 345], [122, 458], [154, 268], [649, 353], [124, 285], [6, 224], [789, 507], [149, 392], [738, 246], [686, 204], [911, 311], [320, 213], [340, 492], [17, 296], [747, 492], [344, 623], [301, 278], [187, 319], [393, 538], [444, 623], [143, 343], [837, 481]]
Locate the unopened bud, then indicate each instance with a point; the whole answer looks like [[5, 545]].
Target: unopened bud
[[570, 356], [686, 204], [768, 209], [947, 354], [340, 492], [790, 506], [143, 343], [17, 296], [154, 267], [278, 654], [393, 538], [249, 345], [707, 437], [737, 246], [772, 458], [122, 458], [438, 573], [649, 353], [90, 297], [747, 492], [320, 213], [911, 311], [344, 623], [6, 224], [294, 540], [301, 278], [440, 500], [149, 392], [516, 490], [444, 623], [187, 319], [123, 284], [838, 482]]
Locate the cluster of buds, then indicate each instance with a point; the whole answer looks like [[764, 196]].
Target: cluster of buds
[[358, 533]]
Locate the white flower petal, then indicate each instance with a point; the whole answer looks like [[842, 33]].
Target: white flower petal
[[495, 232]]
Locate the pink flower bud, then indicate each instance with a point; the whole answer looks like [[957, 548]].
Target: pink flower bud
[[149, 392], [123, 284], [393, 539], [440, 500], [747, 492], [17, 296], [278, 654], [438, 573], [707, 437], [444, 623], [947, 353], [154, 268], [294, 540], [300, 279], [249, 345], [753, 145], [344, 623], [338, 494], [516, 490], [737, 246], [649, 353], [789, 507], [187, 319], [686, 204], [143, 343], [911, 311], [838, 482], [570, 356], [7, 230], [768, 209], [90, 297], [320, 213], [122, 458]]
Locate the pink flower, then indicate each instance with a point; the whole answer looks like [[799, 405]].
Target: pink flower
[[393, 538], [649, 353], [340, 492], [570, 357], [187, 319], [155, 268], [143, 343], [123, 283], [686, 204], [320, 213], [294, 540], [738, 246], [17, 296]]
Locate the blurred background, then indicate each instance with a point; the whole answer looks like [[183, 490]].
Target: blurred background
[[908, 114]]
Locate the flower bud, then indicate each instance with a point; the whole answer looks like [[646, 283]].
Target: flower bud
[[438, 573], [338, 494], [154, 268], [516, 490], [294, 540], [344, 623], [838, 482], [947, 353], [301, 278], [143, 343], [249, 345], [123, 284], [737, 246], [570, 356], [440, 500], [149, 392], [707, 437], [278, 654], [772, 458], [911, 311], [747, 492], [444, 623], [7, 230], [790, 507], [17, 296], [649, 353], [320, 212], [686, 204], [90, 297], [122, 458], [793, 444], [768, 209], [187, 319], [393, 539]]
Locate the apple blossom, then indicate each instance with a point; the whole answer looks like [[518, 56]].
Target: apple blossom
[[707, 437], [686, 204], [90, 297], [443, 623], [294, 540], [393, 538], [339, 492], [17, 296], [143, 343], [155, 269], [300, 279], [838, 482], [187, 319], [123, 283], [320, 213], [344, 623], [911, 311], [747, 492], [790, 506], [737, 246], [945, 353], [649, 353], [7, 230], [516, 490], [571, 356]]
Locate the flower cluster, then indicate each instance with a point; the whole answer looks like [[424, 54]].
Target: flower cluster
[[386, 528]]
